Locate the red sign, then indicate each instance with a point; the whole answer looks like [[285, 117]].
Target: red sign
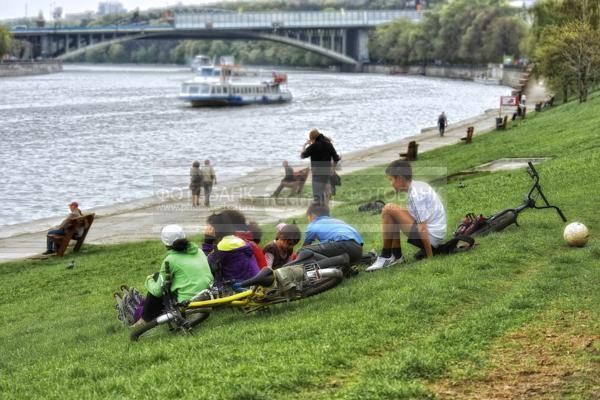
[[509, 101]]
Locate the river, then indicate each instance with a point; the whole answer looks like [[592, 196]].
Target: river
[[110, 134]]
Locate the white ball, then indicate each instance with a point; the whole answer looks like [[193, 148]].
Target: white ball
[[576, 234]]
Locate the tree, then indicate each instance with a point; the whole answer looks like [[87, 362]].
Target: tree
[[5, 40], [96, 55], [504, 36], [570, 54], [116, 53], [566, 36], [472, 31]]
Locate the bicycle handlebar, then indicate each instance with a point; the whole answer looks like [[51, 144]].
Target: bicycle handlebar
[[530, 202]]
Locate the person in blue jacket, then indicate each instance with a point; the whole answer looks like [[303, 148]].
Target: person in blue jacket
[[333, 236]]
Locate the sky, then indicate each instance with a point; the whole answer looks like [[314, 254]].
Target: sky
[[16, 8]]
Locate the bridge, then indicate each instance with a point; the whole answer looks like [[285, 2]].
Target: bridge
[[341, 36]]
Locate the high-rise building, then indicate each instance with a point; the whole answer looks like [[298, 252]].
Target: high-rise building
[[110, 7]]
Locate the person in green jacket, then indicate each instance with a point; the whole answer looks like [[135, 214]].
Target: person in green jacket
[[190, 272]]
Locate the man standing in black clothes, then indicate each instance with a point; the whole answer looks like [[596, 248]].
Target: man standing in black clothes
[[323, 158]]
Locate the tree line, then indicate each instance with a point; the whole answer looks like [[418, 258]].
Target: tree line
[[460, 32], [5, 41], [182, 52]]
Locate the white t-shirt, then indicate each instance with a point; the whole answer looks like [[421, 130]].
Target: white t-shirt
[[425, 206]]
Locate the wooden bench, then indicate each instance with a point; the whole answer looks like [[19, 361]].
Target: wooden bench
[[502, 125], [469, 136], [62, 241], [412, 151], [300, 178], [538, 106]]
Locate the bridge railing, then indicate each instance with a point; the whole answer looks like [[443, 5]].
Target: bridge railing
[[302, 19]]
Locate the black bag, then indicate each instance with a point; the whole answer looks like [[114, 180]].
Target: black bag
[[335, 180], [196, 179], [374, 207], [450, 247]]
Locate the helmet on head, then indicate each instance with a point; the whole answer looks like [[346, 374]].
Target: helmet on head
[[171, 233]]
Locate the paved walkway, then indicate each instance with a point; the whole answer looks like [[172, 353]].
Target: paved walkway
[[145, 219]]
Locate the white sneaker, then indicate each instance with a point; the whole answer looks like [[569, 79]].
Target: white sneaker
[[383, 262]]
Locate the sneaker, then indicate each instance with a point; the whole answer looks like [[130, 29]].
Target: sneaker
[[49, 252], [382, 262]]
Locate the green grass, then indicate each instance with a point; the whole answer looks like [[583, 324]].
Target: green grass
[[416, 332]]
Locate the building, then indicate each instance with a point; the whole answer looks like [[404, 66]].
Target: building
[[110, 7], [79, 17]]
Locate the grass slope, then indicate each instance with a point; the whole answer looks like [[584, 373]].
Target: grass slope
[[518, 317]]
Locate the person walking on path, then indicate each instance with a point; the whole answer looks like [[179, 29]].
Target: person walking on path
[[59, 230], [323, 158], [195, 183], [289, 177], [442, 123], [208, 179]]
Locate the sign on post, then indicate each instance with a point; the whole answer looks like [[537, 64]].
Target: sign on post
[[511, 102]]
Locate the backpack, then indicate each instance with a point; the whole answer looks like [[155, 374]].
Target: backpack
[[471, 224], [197, 180], [129, 305], [374, 207], [290, 279]]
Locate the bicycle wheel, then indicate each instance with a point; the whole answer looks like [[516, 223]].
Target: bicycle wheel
[[143, 330], [194, 318], [330, 278]]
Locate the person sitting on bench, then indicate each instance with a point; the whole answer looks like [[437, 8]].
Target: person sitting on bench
[[335, 237], [423, 221], [288, 178], [74, 212]]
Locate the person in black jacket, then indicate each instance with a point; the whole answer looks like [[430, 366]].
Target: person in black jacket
[[323, 158]]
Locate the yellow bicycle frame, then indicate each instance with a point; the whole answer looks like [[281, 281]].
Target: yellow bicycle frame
[[249, 300]]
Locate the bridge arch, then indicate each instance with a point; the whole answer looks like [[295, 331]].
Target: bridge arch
[[229, 35]]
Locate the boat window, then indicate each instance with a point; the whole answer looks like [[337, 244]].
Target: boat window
[[204, 89], [225, 90], [193, 89], [206, 72]]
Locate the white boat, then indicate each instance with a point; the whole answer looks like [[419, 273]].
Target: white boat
[[199, 61], [486, 80], [226, 84]]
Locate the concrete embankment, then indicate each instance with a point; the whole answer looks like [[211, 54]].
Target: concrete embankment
[[24, 68], [508, 76]]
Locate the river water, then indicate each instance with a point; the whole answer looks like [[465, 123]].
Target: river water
[[109, 134]]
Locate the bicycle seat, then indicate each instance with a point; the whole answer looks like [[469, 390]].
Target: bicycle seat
[[264, 278]]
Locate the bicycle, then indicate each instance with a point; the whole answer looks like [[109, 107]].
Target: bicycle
[[480, 226], [268, 287]]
